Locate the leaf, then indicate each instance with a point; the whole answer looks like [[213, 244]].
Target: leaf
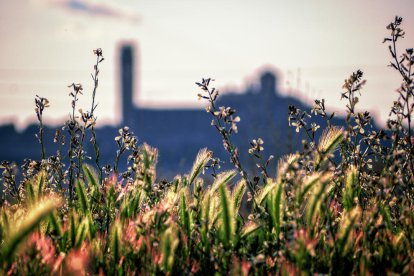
[[72, 229], [55, 224], [214, 210], [130, 205], [184, 215], [347, 223], [205, 217], [225, 215], [41, 179], [34, 188], [237, 195], [82, 196], [385, 211], [80, 233], [351, 188], [310, 182], [275, 207], [116, 242], [31, 198], [169, 243], [90, 175], [319, 192], [4, 224]]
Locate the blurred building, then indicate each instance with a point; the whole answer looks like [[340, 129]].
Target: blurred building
[[127, 83], [179, 133]]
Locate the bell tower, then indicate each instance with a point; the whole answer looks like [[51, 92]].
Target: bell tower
[[268, 83], [127, 83]]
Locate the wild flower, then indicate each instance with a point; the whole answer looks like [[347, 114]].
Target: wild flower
[[44, 247], [41, 104], [125, 141], [77, 261], [256, 145]]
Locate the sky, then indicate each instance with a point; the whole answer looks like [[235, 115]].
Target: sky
[[313, 45]]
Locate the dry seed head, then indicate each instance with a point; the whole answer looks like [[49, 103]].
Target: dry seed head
[[237, 194], [263, 193], [169, 243], [330, 139], [284, 163], [222, 178], [347, 225], [203, 157], [249, 228]]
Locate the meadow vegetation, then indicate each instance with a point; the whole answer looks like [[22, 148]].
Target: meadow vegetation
[[343, 204]]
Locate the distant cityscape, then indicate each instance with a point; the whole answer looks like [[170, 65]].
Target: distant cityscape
[[179, 133]]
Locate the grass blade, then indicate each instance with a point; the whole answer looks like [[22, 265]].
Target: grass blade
[[310, 182], [90, 175], [169, 243], [275, 207], [347, 224], [72, 229], [116, 242], [319, 192], [82, 196], [184, 215], [55, 224], [205, 218], [33, 219], [41, 179], [237, 195], [80, 233], [225, 215], [31, 198], [351, 188]]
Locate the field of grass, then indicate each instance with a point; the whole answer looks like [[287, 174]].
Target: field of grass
[[342, 205]]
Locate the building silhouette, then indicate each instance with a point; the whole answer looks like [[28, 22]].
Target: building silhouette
[[127, 83], [179, 133]]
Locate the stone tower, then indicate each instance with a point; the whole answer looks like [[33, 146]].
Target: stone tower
[[127, 84], [268, 83]]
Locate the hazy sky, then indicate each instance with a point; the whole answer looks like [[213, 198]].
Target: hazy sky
[[47, 44]]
